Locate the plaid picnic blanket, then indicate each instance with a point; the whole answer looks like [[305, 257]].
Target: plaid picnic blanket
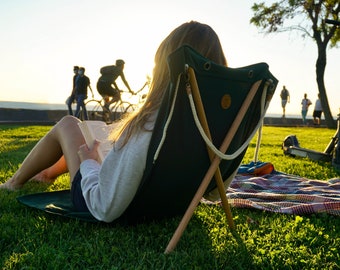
[[283, 193]]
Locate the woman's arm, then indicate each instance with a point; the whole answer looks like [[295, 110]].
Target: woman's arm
[[109, 189]]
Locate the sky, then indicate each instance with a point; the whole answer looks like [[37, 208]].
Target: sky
[[41, 41]]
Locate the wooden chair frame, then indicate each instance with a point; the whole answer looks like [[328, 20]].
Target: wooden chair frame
[[192, 89]]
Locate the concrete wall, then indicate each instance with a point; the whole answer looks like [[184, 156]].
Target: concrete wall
[[26, 116], [50, 117], [289, 122]]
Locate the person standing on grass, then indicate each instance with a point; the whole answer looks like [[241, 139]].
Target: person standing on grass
[[305, 103], [105, 190], [285, 97], [80, 91], [71, 98], [317, 111]]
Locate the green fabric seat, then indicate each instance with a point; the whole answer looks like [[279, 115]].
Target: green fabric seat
[[57, 203], [171, 180]]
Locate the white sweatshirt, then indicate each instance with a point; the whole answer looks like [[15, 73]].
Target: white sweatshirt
[[109, 188]]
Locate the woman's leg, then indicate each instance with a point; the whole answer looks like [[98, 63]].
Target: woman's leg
[[64, 139], [50, 174]]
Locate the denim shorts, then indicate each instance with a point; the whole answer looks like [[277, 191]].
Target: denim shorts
[[77, 197]]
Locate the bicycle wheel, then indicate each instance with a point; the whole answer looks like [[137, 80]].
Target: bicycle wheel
[[121, 109], [95, 110]]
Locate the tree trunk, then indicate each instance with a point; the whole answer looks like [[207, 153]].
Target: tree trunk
[[320, 72]]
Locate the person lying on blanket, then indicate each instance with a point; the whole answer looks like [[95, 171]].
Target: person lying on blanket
[[106, 190]]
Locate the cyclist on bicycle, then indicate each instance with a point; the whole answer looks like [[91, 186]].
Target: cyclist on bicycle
[[108, 78]]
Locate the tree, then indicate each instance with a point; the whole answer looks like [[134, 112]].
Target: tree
[[309, 17]]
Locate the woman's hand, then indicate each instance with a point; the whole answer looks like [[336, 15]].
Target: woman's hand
[[85, 153]]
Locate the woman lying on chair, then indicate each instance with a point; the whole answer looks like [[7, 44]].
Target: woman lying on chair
[[106, 190]]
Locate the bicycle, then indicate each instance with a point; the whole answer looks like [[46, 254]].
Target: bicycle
[[97, 110]]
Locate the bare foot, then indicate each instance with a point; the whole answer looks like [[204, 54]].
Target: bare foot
[[10, 185], [43, 177]]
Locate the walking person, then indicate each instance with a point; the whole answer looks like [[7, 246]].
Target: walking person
[[70, 100], [304, 110], [82, 83], [285, 97], [317, 111]]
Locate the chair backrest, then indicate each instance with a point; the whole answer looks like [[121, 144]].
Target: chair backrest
[[170, 182]]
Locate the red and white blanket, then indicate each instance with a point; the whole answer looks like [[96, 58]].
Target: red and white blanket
[[259, 186], [284, 193]]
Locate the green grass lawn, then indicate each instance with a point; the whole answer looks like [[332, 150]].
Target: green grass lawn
[[30, 239]]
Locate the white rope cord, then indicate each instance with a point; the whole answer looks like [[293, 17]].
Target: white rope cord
[[259, 136], [167, 121], [211, 145], [258, 142], [200, 128]]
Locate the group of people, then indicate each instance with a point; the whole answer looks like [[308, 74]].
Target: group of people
[[79, 92], [106, 86], [106, 189], [305, 104]]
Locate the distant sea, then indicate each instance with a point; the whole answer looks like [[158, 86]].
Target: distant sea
[[31, 105], [56, 106]]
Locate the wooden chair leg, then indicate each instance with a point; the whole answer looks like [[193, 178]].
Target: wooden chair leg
[[203, 119], [212, 169]]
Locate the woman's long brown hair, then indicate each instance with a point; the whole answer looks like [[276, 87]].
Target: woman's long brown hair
[[200, 37]]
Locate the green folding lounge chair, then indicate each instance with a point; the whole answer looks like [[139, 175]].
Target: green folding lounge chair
[[207, 118]]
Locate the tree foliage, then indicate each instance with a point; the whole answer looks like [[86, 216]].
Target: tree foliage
[[310, 18], [306, 16]]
